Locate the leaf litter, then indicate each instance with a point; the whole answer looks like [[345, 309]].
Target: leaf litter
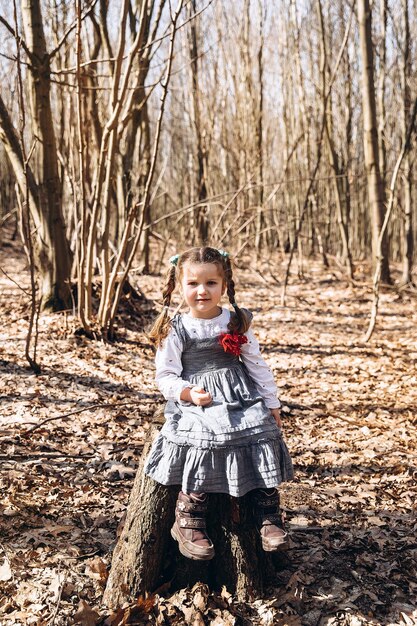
[[71, 438]]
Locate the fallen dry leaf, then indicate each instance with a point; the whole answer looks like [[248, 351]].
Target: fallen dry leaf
[[5, 570], [85, 615]]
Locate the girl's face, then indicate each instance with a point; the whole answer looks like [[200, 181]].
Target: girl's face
[[202, 286]]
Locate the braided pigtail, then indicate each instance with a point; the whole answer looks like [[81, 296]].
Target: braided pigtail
[[241, 320], [162, 324]]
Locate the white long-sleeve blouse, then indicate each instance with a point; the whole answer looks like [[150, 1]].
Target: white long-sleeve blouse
[[169, 366]]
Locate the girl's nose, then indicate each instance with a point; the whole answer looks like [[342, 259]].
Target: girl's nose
[[201, 289]]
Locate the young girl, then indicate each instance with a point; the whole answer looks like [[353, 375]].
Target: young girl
[[223, 427]]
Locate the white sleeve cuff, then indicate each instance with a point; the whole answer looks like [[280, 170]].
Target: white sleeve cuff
[[273, 404], [184, 385]]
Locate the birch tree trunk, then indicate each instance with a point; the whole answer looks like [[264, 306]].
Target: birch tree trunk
[[370, 138]]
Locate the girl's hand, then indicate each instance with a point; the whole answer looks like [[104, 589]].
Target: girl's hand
[[277, 416], [196, 395], [200, 396]]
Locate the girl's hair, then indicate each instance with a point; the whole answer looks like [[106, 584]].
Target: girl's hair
[[239, 322]]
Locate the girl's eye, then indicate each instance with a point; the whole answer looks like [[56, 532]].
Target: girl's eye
[[212, 282]]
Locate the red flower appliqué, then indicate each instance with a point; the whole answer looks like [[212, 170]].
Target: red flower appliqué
[[232, 342]]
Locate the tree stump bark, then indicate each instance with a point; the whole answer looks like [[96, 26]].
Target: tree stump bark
[[146, 558]]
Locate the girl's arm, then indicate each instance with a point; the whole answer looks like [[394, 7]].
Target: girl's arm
[[259, 371], [169, 368]]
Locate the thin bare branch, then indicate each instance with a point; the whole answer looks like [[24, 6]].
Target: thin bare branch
[[70, 29], [27, 293], [12, 31]]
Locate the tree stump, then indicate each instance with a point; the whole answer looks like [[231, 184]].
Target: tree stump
[[146, 558]]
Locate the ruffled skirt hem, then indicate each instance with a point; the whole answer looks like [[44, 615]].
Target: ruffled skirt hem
[[234, 470]]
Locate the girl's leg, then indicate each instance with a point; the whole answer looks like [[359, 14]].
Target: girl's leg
[[189, 528], [269, 519]]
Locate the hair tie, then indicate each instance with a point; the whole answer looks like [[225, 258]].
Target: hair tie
[[223, 253], [165, 309], [174, 260], [234, 305]]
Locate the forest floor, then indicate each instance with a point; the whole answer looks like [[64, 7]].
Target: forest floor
[[70, 440]]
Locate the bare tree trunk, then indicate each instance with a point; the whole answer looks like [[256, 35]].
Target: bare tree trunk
[[137, 156], [25, 218], [13, 149], [51, 249], [307, 131], [406, 68], [370, 139], [202, 224], [80, 202], [346, 151], [381, 94], [54, 260], [332, 154], [260, 221], [298, 71], [377, 274], [144, 166]]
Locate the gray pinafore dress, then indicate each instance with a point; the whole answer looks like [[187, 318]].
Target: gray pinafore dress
[[231, 446]]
